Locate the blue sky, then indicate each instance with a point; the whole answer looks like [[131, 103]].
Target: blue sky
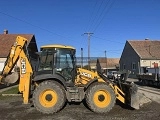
[[65, 22]]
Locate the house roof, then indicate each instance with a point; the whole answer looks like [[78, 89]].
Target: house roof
[[146, 49], [109, 62], [7, 40]]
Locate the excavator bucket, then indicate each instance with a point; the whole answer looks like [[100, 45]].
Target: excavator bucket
[[11, 78]]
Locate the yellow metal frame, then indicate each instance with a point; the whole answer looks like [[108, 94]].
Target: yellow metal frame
[[83, 79], [17, 53], [119, 93]]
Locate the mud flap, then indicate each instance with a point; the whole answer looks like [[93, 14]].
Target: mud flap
[[131, 95]]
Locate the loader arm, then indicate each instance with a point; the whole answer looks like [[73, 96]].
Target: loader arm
[[17, 53]]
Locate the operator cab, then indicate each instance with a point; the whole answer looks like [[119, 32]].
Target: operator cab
[[59, 60]]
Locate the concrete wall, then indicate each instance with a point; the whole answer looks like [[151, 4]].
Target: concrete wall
[[149, 63], [2, 61], [128, 58]]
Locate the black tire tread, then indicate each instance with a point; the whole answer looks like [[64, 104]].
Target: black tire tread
[[89, 94], [51, 84]]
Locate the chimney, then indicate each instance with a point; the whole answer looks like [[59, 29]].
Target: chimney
[[5, 32]]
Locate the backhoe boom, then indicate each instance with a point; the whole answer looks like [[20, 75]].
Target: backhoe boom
[[17, 53]]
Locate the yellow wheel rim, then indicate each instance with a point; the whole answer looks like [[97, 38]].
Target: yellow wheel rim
[[102, 98], [48, 98]]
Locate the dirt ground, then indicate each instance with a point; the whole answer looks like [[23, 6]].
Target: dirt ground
[[12, 108]]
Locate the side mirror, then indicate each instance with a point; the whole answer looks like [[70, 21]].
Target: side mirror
[[38, 53]]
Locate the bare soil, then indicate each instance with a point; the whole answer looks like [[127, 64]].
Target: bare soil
[[12, 108]]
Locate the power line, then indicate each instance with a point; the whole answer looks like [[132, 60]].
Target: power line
[[88, 23], [113, 1], [101, 14], [33, 25], [95, 16], [91, 15], [108, 40], [30, 24], [6, 14]]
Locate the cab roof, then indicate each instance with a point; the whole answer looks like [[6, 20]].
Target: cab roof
[[57, 46]]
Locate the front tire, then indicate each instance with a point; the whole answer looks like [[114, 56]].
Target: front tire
[[49, 97], [100, 98]]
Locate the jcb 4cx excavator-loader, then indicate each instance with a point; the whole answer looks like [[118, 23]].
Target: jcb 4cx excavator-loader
[[58, 80]]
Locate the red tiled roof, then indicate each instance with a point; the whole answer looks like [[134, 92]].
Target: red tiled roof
[[146, 49], [111, 62], [7, 40]]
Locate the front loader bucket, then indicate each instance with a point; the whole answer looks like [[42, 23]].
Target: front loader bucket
[[131, 95]]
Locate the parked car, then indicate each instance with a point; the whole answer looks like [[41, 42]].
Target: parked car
[[113, 75]]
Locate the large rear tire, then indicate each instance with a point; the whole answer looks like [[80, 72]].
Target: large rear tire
[[49, 97], [100, 98]]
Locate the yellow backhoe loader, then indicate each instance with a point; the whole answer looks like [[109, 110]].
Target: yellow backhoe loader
[[57, 80]]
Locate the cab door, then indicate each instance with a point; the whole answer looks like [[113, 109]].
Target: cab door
[[65, 64]]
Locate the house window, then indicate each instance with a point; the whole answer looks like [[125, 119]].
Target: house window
[[133, 66], [124, 66]]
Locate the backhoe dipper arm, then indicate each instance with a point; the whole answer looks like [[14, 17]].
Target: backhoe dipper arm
[[13, 57]]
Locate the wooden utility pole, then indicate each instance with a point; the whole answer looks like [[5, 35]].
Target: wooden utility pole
[[105, 60], [89, 35], [81, 57]]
